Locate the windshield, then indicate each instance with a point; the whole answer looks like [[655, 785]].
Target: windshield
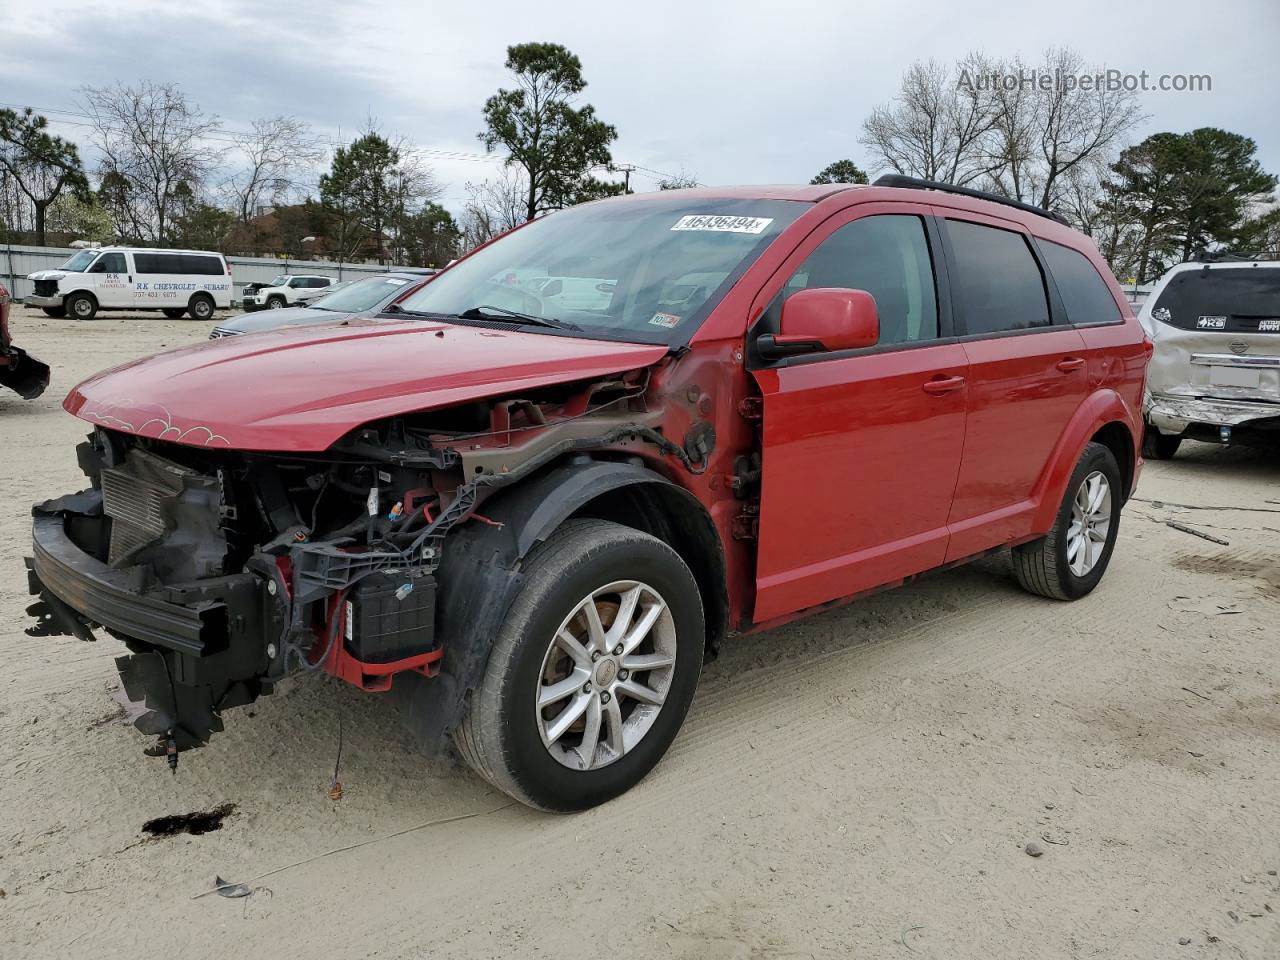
[[361, 295], [642, 270], [1230, 299], [80, 261], [279, 281]]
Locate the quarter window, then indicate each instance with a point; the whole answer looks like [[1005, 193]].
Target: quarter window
[[887, 256], [996, 285], [1084, 293]]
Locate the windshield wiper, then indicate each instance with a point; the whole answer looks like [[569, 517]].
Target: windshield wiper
[[477, 313]]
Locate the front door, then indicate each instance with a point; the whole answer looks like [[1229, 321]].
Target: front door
[[112, 282], [861, 449]]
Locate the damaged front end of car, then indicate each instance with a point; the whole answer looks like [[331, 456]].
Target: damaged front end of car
[[225, 571]]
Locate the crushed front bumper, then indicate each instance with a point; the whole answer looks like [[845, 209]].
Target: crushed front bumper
[[1174, 415], [199, 626], [196, 648]]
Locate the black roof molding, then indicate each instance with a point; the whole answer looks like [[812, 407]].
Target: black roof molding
[[914, 183]]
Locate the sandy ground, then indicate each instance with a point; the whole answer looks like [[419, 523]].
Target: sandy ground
[[859, 785]]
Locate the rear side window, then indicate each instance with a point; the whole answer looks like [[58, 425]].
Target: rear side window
[[164, 263], [200, 265], [996, 285], [1084, 293], [887, 256], [1237, 299]]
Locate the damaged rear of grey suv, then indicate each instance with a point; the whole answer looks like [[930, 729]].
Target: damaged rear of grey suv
[[1215, 374]]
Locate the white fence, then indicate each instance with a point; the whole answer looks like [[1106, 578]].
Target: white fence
[[18, 261]]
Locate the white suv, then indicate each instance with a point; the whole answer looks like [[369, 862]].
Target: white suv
[[282, 291], [1215, 374], [178, 282]]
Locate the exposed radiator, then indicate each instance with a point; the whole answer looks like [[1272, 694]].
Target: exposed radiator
[[134, 497]]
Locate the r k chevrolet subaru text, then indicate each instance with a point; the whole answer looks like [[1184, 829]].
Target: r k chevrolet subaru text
[[532, 520]]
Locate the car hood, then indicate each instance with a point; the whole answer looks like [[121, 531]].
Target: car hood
[[301, 389], [286, 317], [47, 275]]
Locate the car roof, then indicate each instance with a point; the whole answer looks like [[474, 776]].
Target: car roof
[[1224, 265], [839, 195], [208, 253]]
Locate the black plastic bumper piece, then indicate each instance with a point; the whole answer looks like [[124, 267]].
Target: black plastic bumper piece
[[105, 596]]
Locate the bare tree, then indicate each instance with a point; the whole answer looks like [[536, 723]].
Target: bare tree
[[494, 207], [678, 181], [1044, 131], [936, 126], [277, 152], [152, 142]]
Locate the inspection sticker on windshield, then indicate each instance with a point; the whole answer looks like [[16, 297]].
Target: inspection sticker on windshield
[[396, 281], [710, 221], [664, 320]]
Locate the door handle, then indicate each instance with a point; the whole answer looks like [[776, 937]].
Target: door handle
[[1067, 364], [942, 385]]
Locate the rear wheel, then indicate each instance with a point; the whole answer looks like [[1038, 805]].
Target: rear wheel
[[54, 311], [1070, 561], [82, 306], [173, 313], [592, 672], [1157, 445], [201, 307]]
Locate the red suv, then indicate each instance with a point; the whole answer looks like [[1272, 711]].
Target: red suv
[[531, 515]]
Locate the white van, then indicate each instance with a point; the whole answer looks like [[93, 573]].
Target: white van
[[127, 278]]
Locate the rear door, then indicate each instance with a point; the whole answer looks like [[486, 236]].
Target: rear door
[[1027, 376], [861, 448]]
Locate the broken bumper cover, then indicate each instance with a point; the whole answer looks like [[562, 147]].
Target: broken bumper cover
[[101, 595], [23, 373], [31, 300], [1173, 415]]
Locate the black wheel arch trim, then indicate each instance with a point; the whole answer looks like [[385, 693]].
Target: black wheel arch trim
[[480, 572]]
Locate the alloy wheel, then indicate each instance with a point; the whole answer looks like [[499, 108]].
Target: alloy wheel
[[1090, 523], [605, 675]]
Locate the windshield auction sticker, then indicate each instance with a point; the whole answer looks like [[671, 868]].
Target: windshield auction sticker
[[720, 224]]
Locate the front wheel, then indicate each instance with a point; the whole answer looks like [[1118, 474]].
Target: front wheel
[[276, 303], [82, 306], [1070, 561], [592, 672]]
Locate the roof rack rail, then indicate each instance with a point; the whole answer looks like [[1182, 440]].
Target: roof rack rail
[[898, 180]]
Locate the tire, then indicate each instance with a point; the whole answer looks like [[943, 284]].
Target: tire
[[276, 303], [504, 733], [56, 312], [82, 306], [1157, 445], [201, 307], [1050, 567], [174, 313]]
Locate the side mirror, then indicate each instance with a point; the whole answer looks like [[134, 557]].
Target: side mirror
[[823, 319]]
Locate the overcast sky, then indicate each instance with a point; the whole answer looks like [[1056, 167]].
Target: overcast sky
[[728, 92]]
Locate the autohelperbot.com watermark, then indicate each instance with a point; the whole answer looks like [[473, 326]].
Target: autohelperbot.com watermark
[[1109, 80]]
